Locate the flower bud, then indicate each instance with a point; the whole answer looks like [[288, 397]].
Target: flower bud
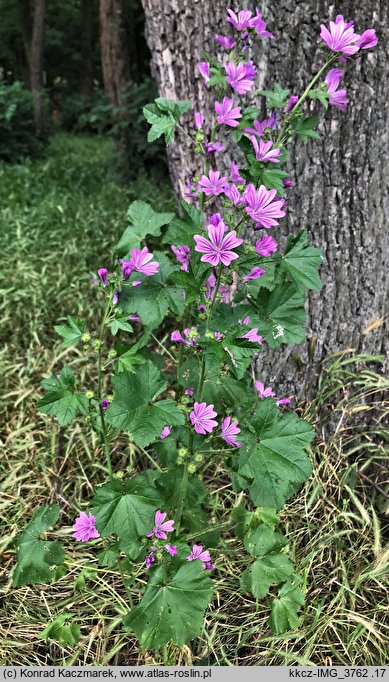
[[86, 337], [200, 137], [119, 474], [112, 353], [89, 395], [199, 458], [182, 452], [191, 468]]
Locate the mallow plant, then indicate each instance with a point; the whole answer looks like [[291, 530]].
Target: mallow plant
[[187, 302]]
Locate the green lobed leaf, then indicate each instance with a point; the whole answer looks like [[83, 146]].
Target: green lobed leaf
[[155, 296], [265, 572], [274, 462], [171, 610], [163, 115], [38, 558], [284, 612], [304, 127], [135, 409], [71, 332], [321, 95], [263, 540], [144, 221], [276, 97], [193, 516], [127, 509], [182, 230], [120, 324], [302, 261], [61, 400], [282, 314], [62, 630]]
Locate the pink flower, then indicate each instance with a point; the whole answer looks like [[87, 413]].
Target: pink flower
[[341, 36], [232, 194], [287, 182], [198, 119], [239, 77], [165, 432], [259, 24], [230, 431], [103, 274], [283, 401], [218, 248], [202, 418], [292, 101], [261, 206], [239, 21], [104, 404], [161, 527], [235, 175], [264, 392], [183, 255], [367, 39], [263, 150], [266, 246], [149, 559], [213, 184], [215, 219], [172, 549], [226, 42], [190, 334], [210, 289], [140, 262], [189, 391], [227, 113], [85, 527], [253, 336], [198, 553], [337, 98], [261, 126], [205, 71], [254, 274]]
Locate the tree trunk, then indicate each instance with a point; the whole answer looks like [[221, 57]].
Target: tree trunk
[[26, 29], [87, 48], [340, 192], [114, 50], [36, 62]]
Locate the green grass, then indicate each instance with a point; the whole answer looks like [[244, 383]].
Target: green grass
[[59, 219]]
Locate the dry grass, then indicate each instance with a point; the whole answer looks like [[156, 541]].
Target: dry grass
[[335, 525]]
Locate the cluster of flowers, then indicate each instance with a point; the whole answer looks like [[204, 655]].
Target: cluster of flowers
[[85, 530]]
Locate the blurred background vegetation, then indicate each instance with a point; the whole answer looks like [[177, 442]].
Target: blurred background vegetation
[[81, 67]]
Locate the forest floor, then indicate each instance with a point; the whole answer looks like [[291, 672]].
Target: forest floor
[[59, 218]]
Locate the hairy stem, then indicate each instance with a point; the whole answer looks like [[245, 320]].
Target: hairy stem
[[107, 449]]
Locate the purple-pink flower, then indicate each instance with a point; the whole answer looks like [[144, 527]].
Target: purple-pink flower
[[161, 527], [264, 392], [103, 274], [235, 175], [213, 147], [292, 102], [205, 71], [198, 119], [227, 114], [115, 297], [190, 337], [172, 549], [261, 126], [254, 274], [262, 206], [104, 404], [140, 262], [341, 36], [367, 39], [265, 246], [259, 24], [213, 183], [230, 431], [240, 76], [198, 552], [253, 336], [165, 432], [337, 98], [210, 284], [264, 151], [218, 248], [226, 42], [202, 418], [85, 528], [232, 194], [149, 559], [239, 21], [183, 255]]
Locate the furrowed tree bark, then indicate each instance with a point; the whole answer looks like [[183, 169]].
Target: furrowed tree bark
[[86, 85], [341, 182], [26, 29]]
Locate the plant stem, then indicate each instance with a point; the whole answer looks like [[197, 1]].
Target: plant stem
[[305, 94], [181, 499], [128, 591], [149, 457], [165, 350], [107, 449]]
